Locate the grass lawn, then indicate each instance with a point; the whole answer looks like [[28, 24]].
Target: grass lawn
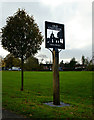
[[75, 89]]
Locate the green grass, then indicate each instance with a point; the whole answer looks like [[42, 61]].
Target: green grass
[[75, 89]]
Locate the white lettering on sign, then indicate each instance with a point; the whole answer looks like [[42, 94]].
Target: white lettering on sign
[[54, 27], [55, 45]]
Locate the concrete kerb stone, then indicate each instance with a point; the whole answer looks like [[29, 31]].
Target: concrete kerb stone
[[61, 104]]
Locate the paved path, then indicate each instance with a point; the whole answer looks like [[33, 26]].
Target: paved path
[[6, 114]]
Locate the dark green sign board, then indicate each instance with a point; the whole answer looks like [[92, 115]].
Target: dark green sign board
[[54, 35]]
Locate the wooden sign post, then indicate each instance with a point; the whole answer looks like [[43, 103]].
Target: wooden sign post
[[56, 89], [54, 35]]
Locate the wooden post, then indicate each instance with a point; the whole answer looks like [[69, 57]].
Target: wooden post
[[56, 90]]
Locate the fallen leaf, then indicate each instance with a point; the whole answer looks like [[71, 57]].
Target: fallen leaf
[[30, 115]]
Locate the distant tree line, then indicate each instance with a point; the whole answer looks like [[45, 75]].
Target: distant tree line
[[85, 64], [32, 64]]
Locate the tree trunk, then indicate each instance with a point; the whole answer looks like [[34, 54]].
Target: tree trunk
[[22, 62]]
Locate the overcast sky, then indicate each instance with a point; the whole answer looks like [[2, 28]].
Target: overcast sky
[[76, 15]]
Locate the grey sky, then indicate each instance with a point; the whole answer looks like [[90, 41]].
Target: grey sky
[[75, 15]]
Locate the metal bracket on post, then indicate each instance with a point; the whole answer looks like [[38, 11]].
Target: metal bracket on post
[[59, 51], [50, 49]]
